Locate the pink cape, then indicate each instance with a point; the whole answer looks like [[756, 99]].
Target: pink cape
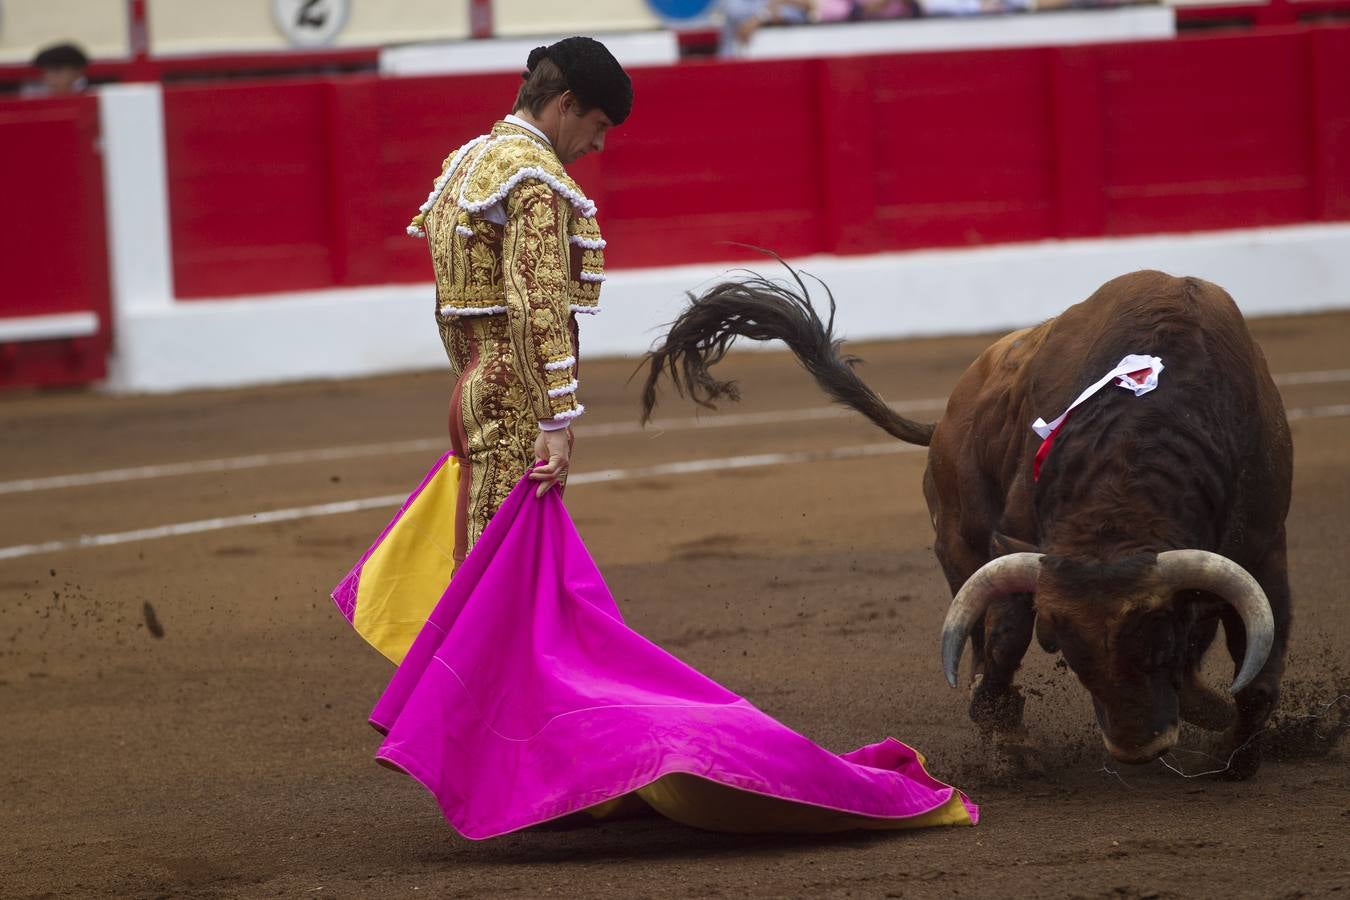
[[526, 698]]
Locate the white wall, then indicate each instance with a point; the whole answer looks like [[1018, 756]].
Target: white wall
[[135, 183], [640, 48], [194, 26], [188, 26], [27, 26], [568, 17]]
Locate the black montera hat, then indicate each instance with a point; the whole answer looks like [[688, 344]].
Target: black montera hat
[[592, 73]]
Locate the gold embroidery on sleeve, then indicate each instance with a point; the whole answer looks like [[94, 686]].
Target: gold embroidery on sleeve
[[536, 263]]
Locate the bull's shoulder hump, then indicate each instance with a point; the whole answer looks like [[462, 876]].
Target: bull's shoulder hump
[[997, 377], [1011, 352]]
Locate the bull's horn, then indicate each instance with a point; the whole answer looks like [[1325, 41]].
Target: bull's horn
[[1012, 574], [1200, 570]]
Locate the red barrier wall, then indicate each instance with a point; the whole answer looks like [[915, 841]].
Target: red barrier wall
[[53, 256], [309, 185]]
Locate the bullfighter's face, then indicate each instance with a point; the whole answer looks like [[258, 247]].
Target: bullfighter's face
[[579, 131], [1128, 650]]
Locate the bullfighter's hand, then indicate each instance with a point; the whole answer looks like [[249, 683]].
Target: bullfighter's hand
[[554, 449]]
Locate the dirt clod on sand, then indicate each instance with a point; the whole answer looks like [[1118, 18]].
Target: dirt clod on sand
[[151, 620]]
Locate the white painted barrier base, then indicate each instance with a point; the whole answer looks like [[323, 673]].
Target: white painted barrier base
[[368, 331], [46, 328], [634, 48]]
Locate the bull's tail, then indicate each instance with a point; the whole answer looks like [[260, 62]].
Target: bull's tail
[[757, 308]]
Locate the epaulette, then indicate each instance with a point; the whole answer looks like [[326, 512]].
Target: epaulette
[[493, 165], [507, 160]]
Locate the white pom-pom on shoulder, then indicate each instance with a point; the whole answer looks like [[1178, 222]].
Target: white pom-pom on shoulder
[[450, 312], [571, 413]]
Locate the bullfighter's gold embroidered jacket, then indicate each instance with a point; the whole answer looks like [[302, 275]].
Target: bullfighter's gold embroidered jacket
[[512, 235]]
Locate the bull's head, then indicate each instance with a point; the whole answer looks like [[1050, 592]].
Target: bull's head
[[1126, 642]]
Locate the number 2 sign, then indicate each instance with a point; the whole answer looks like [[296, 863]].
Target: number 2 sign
[[310, 23]]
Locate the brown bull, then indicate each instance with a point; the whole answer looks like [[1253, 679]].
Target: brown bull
[[1153, 519]]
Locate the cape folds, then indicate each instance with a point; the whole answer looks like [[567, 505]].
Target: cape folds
[[525, 698]]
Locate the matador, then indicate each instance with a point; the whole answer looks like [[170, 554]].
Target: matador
[[521, 696], [517, 255]]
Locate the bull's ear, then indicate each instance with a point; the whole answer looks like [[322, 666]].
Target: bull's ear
[[1001, 545]]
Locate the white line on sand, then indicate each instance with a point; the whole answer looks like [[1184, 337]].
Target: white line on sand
[[254, 461], [688, 467], [163, 531], [428, 445], [1319, 412], [349, 506], [1326, 376], [423, 445]]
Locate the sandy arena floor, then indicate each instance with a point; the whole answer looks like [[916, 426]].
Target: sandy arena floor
[[230, 757]]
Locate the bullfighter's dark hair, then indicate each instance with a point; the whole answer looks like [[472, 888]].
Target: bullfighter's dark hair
[[761, 309], [543, 82]]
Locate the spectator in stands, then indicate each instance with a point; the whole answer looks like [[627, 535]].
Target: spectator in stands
[[744, 17], [63, 71], [979, 7], [865, 10]]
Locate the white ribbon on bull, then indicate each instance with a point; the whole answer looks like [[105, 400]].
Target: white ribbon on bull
[[1123, 375]]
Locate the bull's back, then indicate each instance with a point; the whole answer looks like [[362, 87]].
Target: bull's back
[[1216, 415], [990, 388], [984, 443]]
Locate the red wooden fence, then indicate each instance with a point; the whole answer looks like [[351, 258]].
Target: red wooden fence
[[308, 185], [53, 256]]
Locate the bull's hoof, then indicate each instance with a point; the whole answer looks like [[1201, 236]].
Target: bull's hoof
[[1016, 754], [997, 711], [1243, 762], [1205, 707]]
